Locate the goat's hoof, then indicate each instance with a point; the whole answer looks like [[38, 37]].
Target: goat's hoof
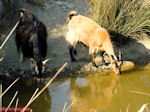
[[21, 60], [73, 60], [93, 64], [75, 52], [21, 57], [40, 80]]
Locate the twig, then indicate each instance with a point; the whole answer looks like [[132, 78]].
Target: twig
[[128, 107], [9, 35], [120, 55], [39, 93], [0, 95], [64, 106], [30, 100], [9, 87], [69, 106], [16, 104], [137, 92], [1, 59], [34, 94], [11, 101], [142, 108]]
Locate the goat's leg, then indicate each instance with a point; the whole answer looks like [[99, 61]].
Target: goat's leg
[[72, 51], [92, 52], [93, 62], [21, 57], [101, 54], [114, 64], [105, 58]]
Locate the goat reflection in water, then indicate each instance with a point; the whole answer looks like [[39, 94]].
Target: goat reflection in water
[[96, 95]]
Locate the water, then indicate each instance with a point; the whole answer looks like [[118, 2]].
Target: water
[[92, 92], [89, 92]]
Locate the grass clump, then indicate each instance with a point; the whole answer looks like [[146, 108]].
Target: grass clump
[[130, 18]]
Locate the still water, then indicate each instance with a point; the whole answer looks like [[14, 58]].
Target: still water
[[94, 92]]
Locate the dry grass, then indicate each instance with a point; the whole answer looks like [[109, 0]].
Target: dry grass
[[144, 107], [127, 17], [37, 94]]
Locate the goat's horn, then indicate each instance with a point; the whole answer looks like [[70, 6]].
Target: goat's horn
[[32, 60], [1, 59], [45, 61], [120, 55]]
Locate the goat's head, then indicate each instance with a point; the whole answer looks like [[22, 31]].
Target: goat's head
[[71, 14], [38, 66], [117, 63], [26, 16], [116, 66]]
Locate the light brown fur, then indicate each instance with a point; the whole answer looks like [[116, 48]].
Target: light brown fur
[[85, 30], [89, 33]]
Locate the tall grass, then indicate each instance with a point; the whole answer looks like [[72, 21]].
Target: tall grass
[[127, 17]]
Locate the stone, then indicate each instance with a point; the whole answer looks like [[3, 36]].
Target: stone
[[127, 65]]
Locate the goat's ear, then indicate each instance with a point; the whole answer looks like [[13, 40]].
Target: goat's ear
[[33, 61], [22, 11], [71, 14], [45, 61], [120, 55]]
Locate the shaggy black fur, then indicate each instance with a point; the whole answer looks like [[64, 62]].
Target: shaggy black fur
[[31, 38]]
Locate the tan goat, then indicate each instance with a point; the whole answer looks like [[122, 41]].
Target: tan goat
[[85, 30]]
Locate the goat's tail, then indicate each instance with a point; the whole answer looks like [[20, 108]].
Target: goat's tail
[[71, 14]]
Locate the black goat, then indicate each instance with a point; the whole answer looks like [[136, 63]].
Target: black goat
[[31, 40]]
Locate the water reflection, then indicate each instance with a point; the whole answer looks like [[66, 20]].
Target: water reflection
[[110, 93], [95, 95], [95, 92]]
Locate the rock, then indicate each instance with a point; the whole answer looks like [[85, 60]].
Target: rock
[[36, 2], [98, 60], [147, 66], [59, 3], [7, 74], [127, 65]]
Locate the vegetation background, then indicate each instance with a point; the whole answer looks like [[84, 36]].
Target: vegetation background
[[127, 17]]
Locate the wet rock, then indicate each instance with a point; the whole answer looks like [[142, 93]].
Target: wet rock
[[26, 76], [36, 2], [46, 6], [22, 72], [7, 74], [127, 65], [147, 66], [59, 3], [70, 6]]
